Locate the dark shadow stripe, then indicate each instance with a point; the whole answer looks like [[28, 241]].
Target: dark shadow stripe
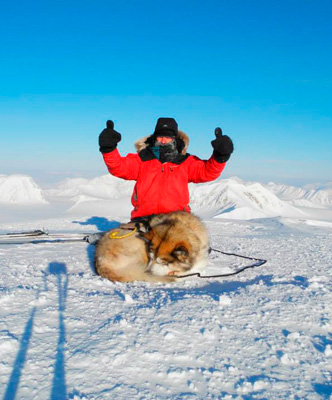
[[20, 359]]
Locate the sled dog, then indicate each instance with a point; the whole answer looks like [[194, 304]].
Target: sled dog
[[176, 244]]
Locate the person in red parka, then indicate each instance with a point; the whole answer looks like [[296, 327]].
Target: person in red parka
[[162, 168]]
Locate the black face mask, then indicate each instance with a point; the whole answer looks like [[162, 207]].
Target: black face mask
[[168, 151]]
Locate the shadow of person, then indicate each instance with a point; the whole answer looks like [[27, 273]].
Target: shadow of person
[[59, 387], [19, 362], [101, 223]]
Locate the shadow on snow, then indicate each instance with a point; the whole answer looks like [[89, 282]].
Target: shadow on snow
[[214, 289], [59, 388], [101, 223]]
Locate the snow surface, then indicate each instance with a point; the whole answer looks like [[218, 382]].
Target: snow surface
[[66, 333]]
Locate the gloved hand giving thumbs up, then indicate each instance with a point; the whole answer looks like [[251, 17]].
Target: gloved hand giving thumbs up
[[223, 146], [109, 138]]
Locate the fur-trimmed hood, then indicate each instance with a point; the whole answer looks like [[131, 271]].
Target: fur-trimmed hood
[[143, 143]]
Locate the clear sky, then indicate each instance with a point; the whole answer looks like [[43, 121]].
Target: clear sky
[[261, 69]]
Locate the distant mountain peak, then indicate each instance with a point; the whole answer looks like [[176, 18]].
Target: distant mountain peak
[[20, 189]]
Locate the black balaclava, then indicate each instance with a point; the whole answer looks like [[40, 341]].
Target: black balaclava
[[167, 152]]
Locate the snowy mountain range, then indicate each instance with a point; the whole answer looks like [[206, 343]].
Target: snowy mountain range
[[225, 198], [307, 197], [235, 199]]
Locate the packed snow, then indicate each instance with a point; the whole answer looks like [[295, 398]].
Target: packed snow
[[66, 333]]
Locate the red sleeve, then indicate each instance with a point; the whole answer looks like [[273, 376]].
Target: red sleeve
[[122, 167], [200, 171]]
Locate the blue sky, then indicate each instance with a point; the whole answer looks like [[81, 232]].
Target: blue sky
[[262, 70]]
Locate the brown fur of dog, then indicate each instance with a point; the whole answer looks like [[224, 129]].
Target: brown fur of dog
[[178, 245]]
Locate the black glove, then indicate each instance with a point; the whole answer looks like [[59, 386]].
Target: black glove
[[109, 138], [223, 146]]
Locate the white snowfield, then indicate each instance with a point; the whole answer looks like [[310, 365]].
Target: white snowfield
[[66, 333]]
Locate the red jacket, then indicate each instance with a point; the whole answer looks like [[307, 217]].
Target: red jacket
[[161, 188]]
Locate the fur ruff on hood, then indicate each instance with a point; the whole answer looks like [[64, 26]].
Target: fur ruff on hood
[[142, 144]]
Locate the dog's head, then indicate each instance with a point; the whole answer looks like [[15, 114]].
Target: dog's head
[[166, 250]]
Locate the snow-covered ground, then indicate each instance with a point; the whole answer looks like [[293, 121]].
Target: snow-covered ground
[[66, 333]]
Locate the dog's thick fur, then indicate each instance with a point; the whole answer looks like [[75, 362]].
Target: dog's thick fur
[[176, 244]]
